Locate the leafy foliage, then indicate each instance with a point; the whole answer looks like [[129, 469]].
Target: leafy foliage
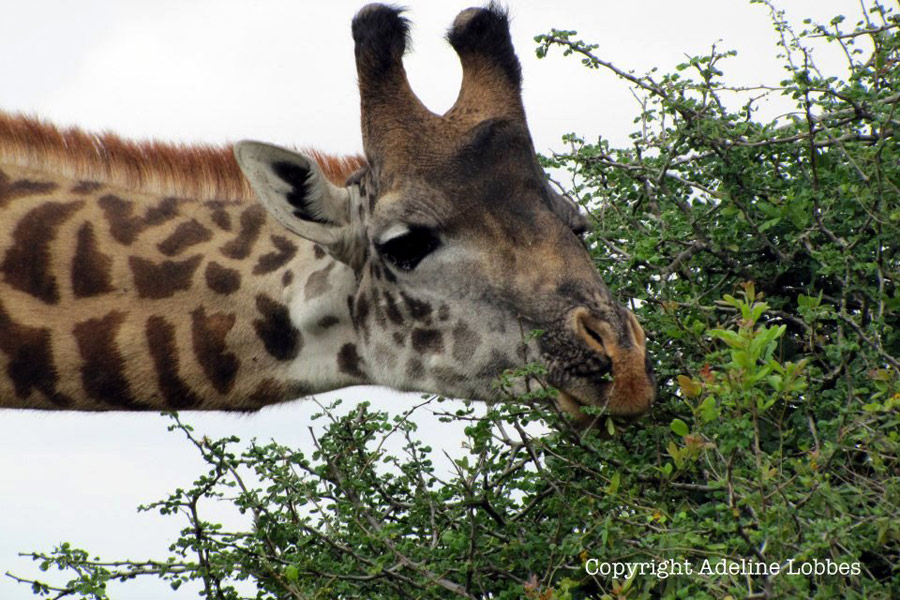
[[762, 259]]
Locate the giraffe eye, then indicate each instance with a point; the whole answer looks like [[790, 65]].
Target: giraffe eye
[[407, 250]]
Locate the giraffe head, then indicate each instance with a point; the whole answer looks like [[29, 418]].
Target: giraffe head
[[457, 246]]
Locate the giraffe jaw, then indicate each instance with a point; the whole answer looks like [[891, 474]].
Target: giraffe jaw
[[571, 403]]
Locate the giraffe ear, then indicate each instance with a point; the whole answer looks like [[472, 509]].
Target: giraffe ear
[[294, 190]]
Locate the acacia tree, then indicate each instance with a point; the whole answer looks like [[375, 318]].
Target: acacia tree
[[762, 259]]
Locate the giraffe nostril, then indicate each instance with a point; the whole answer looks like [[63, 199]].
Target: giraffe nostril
[[591, 331], [594, 335]]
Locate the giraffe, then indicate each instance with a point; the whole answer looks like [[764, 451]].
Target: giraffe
[[147, 276]]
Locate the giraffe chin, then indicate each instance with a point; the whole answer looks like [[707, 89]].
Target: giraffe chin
[[571, 404]]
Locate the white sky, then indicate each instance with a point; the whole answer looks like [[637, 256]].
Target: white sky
[[280, 71]]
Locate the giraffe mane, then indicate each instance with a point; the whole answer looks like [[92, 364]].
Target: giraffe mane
[[200, 171]]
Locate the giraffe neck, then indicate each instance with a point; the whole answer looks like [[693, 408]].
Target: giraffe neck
[[112, 298]]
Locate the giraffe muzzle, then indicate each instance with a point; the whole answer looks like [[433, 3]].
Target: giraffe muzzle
[[627, 388]]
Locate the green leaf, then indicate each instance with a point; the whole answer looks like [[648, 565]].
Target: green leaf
[[675, 453], [291, 573], [679, 427], [731, 338], [770, 223], [709, 409], [614, 482]]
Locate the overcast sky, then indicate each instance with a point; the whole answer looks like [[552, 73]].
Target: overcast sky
[[280, 71]]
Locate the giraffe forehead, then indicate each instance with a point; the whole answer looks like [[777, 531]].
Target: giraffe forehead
[[504, 206], [487, 172]]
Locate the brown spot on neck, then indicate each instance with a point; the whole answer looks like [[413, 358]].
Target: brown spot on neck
[[124, 226], [26, 265], [91, 269], [185, 235], [426, 341], [222, 280], [162, 280], [222, 219], [219, 212], [284, 251], [30, 366], [164, 352], [103, 370], [350, 362], [252, 220], [10, 190], [209, 332], [276, 331]]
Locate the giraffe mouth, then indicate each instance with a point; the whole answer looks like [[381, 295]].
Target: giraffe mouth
[[571, 403], [573, 399]]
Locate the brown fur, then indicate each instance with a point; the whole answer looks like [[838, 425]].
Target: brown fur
[[203, 172], [398, 129]]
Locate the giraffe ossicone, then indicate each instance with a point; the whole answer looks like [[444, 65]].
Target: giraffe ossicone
[[147, 276]]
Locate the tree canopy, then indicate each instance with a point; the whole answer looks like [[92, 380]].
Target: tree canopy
[[761, 258]]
